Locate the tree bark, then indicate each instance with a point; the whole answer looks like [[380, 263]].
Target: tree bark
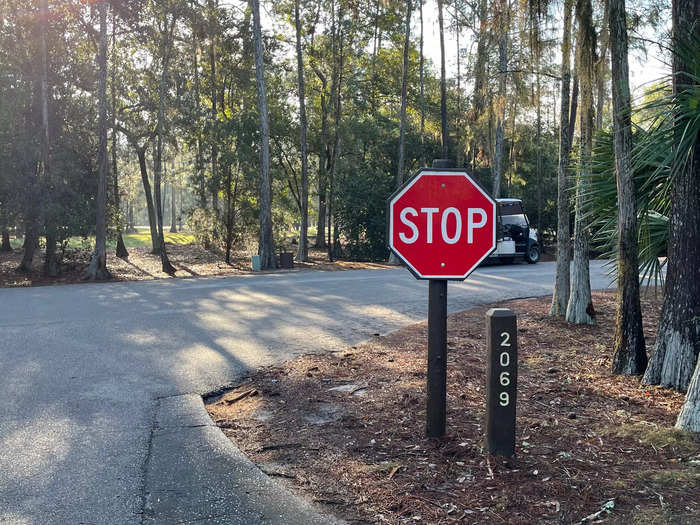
[[685, 238], [602, 66], [678, 340], [150, 206], [50, 259], [121, 250], [302, 252], [173, 208], [199, 156], [266, 245], [323, 164], [630, 356], [31, 236], [562, 282], [167, 44], [501, 103], [338, 60], [538, 135], [97, 270], [5, 246], [443, 86], [214, 116], [479, 94], [580, 308], [421, 74], [404, 88]]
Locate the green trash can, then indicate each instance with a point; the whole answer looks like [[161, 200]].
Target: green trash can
[[255, 263]]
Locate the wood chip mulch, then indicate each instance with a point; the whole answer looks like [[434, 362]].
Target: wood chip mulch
[[346, 430]]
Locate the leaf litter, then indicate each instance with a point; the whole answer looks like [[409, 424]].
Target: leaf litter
[[591, 447]]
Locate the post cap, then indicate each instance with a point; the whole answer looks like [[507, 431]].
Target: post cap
[[500, 312]]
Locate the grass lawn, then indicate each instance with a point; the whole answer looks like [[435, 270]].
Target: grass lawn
[[132, 240], [143, 238]]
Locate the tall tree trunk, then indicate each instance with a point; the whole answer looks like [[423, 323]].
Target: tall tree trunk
[[31, 235], [150, 206], [574, 103], [5, 246], [580, 309], [404, 88], [302, 252], [460, 148], [231, 196], [338, 57], [678, 338], [630, 355], [98, 264], [167, 44], [214, 121], [323, 164], [479, 94], [322, 196], [443, 86], [562, 283], [199, 157], [538, 133], [421, 74], [602, 66], [266, 245], [131, 222], [31, 203], [121, 250], [501, 103], [677, 333], [50, 259], [173, 209]]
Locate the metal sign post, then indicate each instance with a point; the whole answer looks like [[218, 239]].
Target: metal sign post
[[502, 381]]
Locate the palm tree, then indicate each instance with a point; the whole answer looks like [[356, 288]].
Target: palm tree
[[666, 171]]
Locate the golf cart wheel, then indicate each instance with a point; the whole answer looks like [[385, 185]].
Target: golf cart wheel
[[533, 254]]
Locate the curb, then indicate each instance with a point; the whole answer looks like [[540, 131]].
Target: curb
[[195, 474]]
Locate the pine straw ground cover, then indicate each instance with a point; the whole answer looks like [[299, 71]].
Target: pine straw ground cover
[[587, 441], [190, 260]]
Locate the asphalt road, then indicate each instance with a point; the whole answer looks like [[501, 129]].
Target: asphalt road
[[81, 367]]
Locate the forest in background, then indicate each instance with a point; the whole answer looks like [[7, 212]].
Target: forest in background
[[189, 67], [112, 110]]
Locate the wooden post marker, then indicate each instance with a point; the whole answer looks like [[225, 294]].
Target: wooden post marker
[[502, 381], [437, 358]]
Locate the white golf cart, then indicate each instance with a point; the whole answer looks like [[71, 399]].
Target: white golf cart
[[516, 239]]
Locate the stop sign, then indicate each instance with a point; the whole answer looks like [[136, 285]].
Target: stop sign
[[442, 224]]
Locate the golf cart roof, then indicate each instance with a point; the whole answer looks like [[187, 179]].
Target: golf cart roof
[[508, 201]]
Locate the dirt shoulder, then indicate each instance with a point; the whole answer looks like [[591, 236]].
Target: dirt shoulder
[[190, 261], [347, 430]]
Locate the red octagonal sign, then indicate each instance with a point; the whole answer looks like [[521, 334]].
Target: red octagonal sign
[[442, 224]]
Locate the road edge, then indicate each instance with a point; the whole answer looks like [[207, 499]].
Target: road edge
[[194, 473]]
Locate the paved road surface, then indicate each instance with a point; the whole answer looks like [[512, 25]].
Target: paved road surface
[[81, 367]]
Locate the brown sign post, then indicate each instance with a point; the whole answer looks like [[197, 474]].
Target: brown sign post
[[442, 224], [502, 381]]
